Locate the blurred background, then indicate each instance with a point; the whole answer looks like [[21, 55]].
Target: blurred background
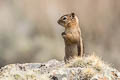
[[29, 31]]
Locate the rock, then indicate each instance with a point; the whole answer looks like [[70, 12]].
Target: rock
[[87, 68]]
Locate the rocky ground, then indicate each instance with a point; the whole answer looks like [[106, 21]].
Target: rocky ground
[[87, 68]]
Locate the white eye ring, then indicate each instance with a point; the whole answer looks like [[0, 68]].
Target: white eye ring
[[64, 18]]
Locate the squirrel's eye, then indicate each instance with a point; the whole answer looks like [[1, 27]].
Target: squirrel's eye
[[64, 18]]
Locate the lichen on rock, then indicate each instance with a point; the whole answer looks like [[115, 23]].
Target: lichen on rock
[[86, 68]]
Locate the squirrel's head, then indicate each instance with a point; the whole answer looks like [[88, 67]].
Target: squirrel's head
[[68, 20]]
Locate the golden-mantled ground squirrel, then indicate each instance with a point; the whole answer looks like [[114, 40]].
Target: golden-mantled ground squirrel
[[72, 36]]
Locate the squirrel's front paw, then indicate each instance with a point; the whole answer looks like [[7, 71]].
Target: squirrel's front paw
[[63, 34]]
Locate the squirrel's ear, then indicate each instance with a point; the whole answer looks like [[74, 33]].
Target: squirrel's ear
[[72, 15]]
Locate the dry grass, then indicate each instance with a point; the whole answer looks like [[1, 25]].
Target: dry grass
[[91, 65]]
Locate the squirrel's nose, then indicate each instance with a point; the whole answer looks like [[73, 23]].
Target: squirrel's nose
[[58, 21]]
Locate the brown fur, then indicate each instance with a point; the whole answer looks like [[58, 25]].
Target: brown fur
[[72, 36]]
